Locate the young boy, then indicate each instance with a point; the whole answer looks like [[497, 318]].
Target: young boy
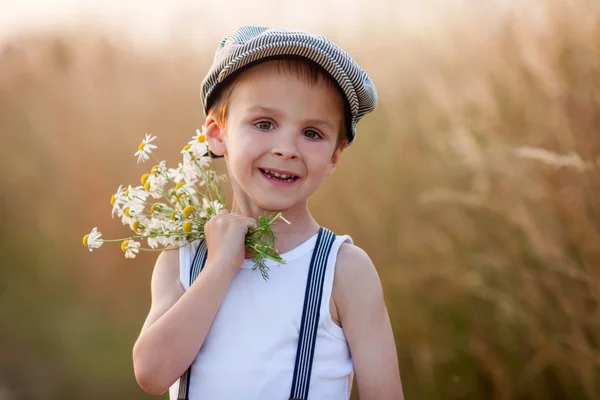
[[281, 108]]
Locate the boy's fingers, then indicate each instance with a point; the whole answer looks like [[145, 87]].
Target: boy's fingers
[[221, 214], [250, 222], [218, 216], [232, 216]]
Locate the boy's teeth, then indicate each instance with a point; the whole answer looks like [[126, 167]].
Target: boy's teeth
[[277, 175]]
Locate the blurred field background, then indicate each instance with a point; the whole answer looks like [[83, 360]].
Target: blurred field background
[[474, 187]]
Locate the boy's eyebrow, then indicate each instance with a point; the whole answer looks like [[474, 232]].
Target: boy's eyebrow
[[266, 110], [312, 121]]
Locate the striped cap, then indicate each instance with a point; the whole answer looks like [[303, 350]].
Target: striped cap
[[249, 44]]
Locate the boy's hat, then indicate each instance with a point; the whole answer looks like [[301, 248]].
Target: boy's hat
[[249, 44]]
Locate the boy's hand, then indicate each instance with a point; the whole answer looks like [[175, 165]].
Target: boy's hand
[[226, 237]]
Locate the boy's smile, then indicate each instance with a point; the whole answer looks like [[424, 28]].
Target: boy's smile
[[278, 176], [280, 136]]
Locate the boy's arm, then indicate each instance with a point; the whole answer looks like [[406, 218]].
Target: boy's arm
[[358, 297], [179, 320], [165, 287]]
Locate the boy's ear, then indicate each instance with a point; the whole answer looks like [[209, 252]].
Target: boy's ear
[[335, 157], [214, 136]]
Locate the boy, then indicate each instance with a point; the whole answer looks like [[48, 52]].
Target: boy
[[281, 107]]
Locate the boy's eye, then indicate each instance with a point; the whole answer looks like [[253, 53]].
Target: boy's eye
[[264, 125], [312, 134]]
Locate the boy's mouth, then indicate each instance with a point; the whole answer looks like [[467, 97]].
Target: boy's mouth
[[278, 176]]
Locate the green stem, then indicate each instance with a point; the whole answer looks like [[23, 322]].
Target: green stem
[[149, 236], [163, 249]]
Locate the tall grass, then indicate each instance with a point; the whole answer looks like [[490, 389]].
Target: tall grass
[[474, 188]]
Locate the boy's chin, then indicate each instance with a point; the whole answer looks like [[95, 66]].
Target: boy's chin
[[274, 205]]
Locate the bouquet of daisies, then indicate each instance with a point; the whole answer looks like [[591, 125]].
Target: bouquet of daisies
[[171, 206]]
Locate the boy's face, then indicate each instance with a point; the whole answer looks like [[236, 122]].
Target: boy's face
[[279, 124]]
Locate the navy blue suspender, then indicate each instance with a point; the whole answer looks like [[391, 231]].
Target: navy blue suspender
[[310, 315], [197, 264]]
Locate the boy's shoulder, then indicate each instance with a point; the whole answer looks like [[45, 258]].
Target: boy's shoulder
[[354, 273]]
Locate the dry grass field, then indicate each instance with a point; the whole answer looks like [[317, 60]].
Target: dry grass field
[[475, 188]]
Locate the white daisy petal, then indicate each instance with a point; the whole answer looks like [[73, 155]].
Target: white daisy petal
[[145, 148], [119, 200], [132, 249], [93, 240]]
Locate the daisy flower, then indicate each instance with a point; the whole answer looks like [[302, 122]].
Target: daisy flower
[[130, 248], [160, 169], [177, 174], [136, 194], [158, 226], [198, 145], [132, 211], [186, 188], [138, 225], [184, 172], [117, 200], [92, 239], [155, 184], [152, 241], [155, 225], [145, 148], [200, 136], [214, 205], [188, 227], [202, 162]]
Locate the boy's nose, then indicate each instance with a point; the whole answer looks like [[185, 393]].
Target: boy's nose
[[287, 151]]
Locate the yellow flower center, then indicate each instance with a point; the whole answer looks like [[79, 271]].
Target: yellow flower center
[[85, 240], [186, 147], [155, 207], [144, 178], [188, 210], [124, 245], [141, 146], [127, 193], [154, 170], [136, 226], [127, 212], [113, 199], [187, 227], [179, 185], [147, 186], [172, 217], [201, 138]]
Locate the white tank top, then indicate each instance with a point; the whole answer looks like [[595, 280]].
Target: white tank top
[[250, 350]]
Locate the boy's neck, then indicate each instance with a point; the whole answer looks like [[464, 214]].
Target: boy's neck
[[287, 236]]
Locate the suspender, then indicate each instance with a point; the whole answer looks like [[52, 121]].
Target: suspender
[[310, 315], [197, 265]]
